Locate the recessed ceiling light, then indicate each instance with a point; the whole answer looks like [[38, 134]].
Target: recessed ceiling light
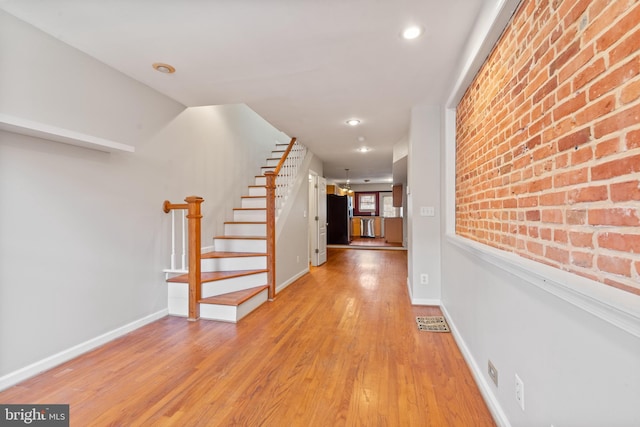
[[353, 122], [412, 32], [164, 68], [364, 149]]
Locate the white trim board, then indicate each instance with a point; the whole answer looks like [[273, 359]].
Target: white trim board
[[40, 366], [618, 307]]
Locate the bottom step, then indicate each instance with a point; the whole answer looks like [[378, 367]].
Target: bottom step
[[233, 306], [234, 298]]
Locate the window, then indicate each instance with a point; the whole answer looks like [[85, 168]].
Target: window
[[366, 204], [388, 211]]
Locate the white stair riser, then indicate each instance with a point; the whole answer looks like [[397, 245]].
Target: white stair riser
[[253, 203], [261, 180], [229, 313], [239, 245], [258, 191], [219, 287], [273, 162], [245, 229], [264, 169], [178, 299], [233, 264], [257, 215]]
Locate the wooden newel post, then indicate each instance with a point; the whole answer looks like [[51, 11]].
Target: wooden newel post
[[271, 233], [195, 243]]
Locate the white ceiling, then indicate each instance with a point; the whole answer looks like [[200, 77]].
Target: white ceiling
[[306, 66]]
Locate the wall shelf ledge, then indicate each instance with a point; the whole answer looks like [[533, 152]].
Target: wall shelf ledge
[[41, 130]]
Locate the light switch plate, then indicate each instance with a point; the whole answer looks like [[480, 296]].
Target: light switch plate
[[427, 211]]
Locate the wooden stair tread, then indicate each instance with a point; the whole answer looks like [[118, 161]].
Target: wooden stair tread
[[241, 237], [212, 276], [234, 298], [219, 254], [253, 197]]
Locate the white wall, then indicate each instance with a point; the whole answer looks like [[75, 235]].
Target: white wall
[[83, 239], [578, 370], [292, 239], [423, 183]]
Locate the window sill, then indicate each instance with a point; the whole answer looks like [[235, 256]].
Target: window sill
[[613, 305]]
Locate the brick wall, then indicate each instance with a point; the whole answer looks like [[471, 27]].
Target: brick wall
[[548, 140]]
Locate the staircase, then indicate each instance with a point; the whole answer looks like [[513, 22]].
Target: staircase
[[235, 276]]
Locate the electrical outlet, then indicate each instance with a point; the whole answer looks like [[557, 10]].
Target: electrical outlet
[[520, 391], [424, 279], [493, 373]]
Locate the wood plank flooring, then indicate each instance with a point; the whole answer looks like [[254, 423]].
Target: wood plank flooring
[[339, 347]]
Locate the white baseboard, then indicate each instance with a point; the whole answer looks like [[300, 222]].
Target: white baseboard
[[425, 301], [487, 393], [22, 374], [291, 280], [421, 301]]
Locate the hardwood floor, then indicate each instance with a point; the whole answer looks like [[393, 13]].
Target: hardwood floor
[[339, 347]]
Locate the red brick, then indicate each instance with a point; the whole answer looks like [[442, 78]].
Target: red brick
[[630, 92], [570, 106], [533, 215], [633, 140], [571, 178], [581, 239], [620, 242], [595, 110], [540, 185], [557, 254], [546, 89], [614, 78], [583, 154], [527, 202], [582, 259], [589, 73], [535, 248], [618, 31], [627, 47], [614, 216], [617, 122], [531, 145], [614, 265], [583, 57], [576, 216], [615, 168], [625, 191], [553, 216], [607, 148], [560, 236], [553, 199], [574, 140], [588, 194]]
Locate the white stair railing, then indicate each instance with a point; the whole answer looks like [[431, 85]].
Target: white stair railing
[[179, 234], [288, 173]]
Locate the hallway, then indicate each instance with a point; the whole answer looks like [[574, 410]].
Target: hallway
[[338, 347]]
